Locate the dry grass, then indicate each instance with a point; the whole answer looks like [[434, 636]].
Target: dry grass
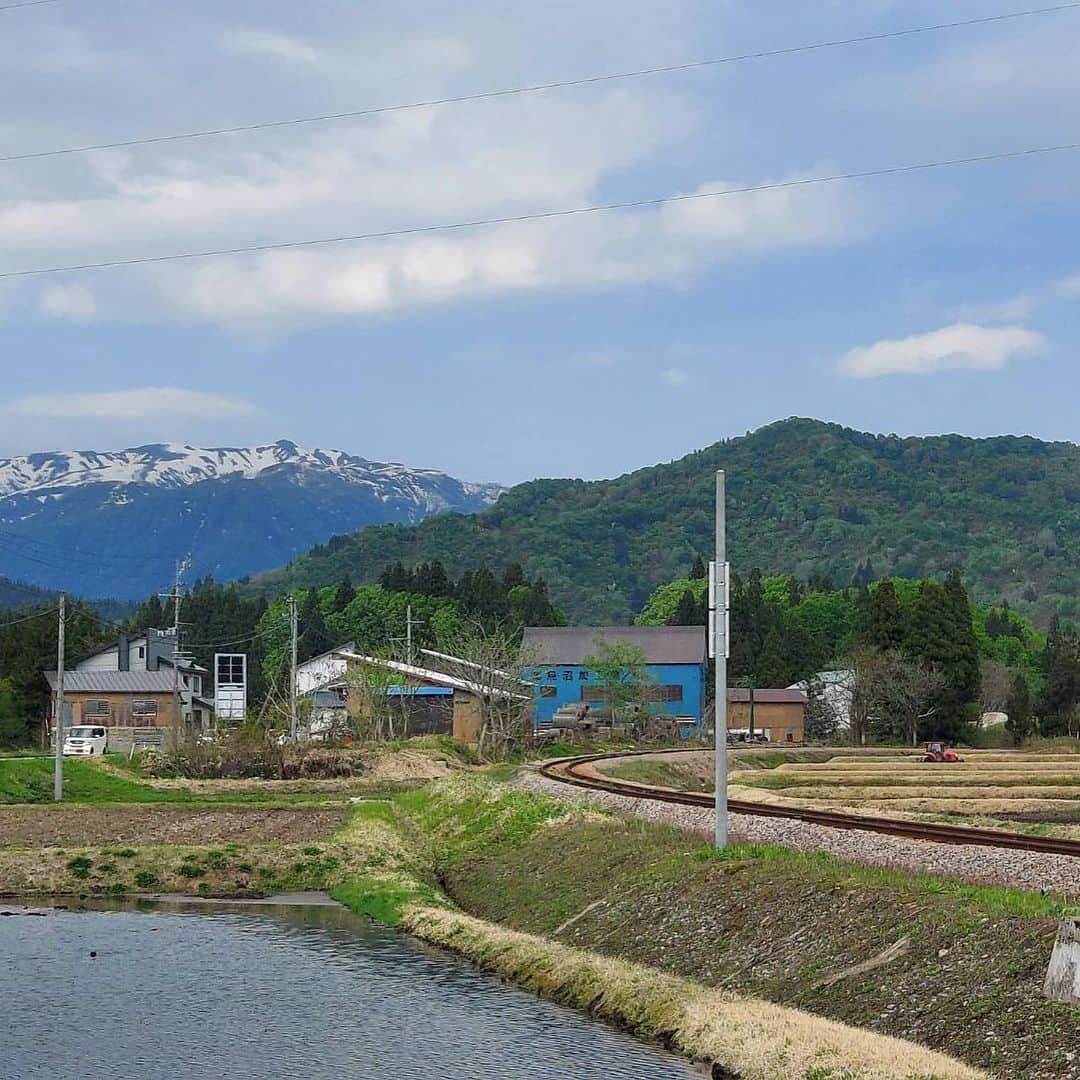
[[998, 787], [754, 1039]]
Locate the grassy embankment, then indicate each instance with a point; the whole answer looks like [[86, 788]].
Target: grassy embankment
[[745, 938]]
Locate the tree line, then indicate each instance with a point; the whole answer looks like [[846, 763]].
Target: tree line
[[932, 662]]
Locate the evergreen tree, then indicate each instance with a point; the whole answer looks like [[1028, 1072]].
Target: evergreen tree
[[1018, 707], [513, 576], [1061, 680], [395, 578], [482, 596], [773, 667], [150, 613], [886, 617], [686, 613], [345, 594], [431, 579], [699, 570], [314, 638]]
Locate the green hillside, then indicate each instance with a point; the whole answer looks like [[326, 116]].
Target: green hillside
[[805, 497]]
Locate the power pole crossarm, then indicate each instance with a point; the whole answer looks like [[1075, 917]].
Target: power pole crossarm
[[58, 720]]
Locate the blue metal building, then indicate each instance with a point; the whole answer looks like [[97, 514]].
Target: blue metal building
[[675, 658]]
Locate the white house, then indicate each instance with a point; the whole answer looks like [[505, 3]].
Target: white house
[[833, 689], [320, 671]]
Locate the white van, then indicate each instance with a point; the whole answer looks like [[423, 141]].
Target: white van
[[85, 741]]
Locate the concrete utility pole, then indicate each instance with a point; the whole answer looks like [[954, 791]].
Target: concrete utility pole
[[718, 602], [58, 721], [293, 634]]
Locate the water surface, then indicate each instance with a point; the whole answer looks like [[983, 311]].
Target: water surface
[[304, 993]]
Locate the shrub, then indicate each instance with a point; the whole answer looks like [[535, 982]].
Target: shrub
[[190, 870], [145, 879], [80, 866]]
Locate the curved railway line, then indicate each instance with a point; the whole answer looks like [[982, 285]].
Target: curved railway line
[[579, 772]]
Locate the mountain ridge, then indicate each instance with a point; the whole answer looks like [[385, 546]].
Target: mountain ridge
[[805, 497], [112, 523]]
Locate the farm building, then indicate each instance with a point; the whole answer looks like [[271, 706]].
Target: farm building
[[136, 706], [675, 663], [428, 700], [779, 715]]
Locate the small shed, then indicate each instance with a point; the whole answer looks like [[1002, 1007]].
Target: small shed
[[779, 715]]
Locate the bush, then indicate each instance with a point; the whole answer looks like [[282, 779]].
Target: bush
[[144, 879], [80, 866], [251, 753]]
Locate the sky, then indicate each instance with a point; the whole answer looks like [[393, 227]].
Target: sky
[[943, 300]]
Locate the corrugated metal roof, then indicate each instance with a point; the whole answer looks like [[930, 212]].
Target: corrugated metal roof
[[572, 644], [114, 682], [767, 697]]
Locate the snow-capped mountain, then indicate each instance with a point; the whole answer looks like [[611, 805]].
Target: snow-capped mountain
[[114, 523]]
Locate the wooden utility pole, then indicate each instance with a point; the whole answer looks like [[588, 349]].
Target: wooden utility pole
[[58, 720]]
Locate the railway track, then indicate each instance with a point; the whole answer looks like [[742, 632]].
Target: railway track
[[579, 772]]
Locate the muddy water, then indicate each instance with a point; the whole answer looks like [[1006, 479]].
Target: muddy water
[[304, 993]]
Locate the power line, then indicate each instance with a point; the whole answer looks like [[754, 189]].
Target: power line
[[545, 215], [27, 3], [37, 614], [535, 88]]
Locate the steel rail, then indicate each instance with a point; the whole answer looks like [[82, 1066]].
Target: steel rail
[[567, 771]]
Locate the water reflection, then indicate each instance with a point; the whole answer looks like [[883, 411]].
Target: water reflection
[[299, 992]]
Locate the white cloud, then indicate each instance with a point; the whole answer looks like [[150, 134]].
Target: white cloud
[[676, 378], [269, 43], [147, 402], [73, 302], [960, 346]]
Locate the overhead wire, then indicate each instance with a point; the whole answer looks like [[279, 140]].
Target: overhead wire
[[27, 618], [545, 215], [541, 87], [27, 3]]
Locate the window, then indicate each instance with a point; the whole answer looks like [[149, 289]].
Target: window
[[230, 669], [548, 691], [96, 708], [592, 693], [142, 652], [665, 693], [144, 708]]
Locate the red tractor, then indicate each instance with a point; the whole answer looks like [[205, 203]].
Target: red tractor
[[938, 753]]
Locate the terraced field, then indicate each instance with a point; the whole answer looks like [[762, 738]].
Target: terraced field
[[1036, 792]]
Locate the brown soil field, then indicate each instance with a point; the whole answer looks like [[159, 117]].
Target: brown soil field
[[35, 826]]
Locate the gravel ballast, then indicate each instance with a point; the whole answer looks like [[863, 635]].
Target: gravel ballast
[[1033, 871]]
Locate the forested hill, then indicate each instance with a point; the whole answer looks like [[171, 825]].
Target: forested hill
[[805, 498]]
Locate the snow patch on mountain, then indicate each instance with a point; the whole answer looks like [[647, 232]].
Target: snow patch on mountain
[[174, 465]]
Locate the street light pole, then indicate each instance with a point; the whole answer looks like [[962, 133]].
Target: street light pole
[[721, 573]]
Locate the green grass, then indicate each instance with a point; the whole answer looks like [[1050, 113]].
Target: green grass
[[31, 781], [26, 780]]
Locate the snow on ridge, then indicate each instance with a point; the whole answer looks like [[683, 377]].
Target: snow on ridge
[[176, 465]]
